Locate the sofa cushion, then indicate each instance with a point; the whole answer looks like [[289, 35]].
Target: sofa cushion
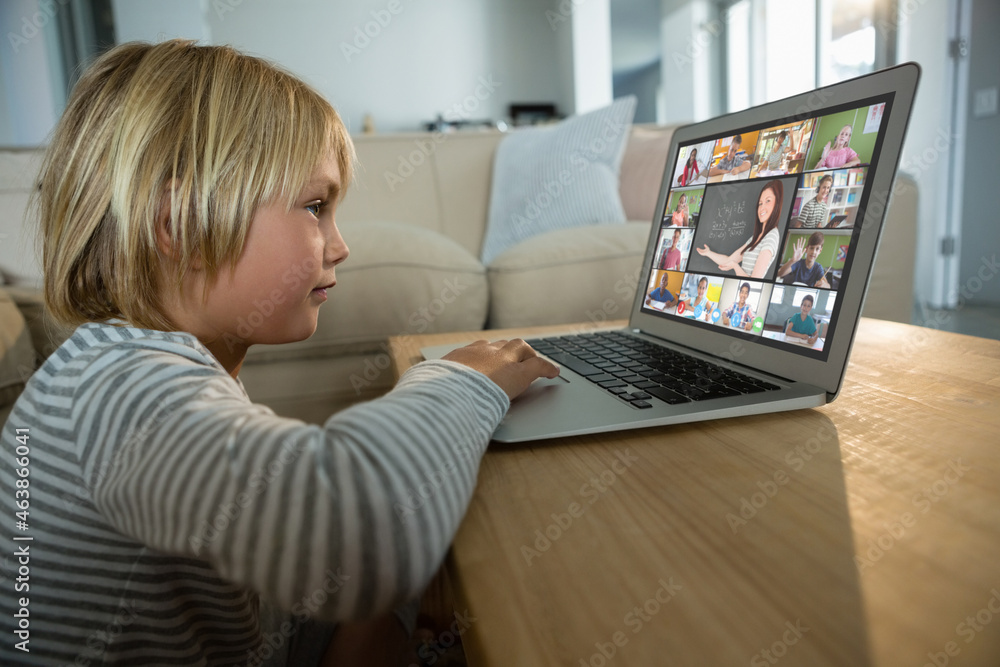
[[559, 176], [17, 355], [46, 333], [642, 171], [399, 279], [588, 274]]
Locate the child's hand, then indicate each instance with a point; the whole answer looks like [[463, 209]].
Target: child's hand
[[512, 364], [799, 250]]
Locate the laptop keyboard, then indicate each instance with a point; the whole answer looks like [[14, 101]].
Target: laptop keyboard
[[637, 371]]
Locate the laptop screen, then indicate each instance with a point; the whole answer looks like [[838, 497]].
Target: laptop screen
[[758, 227]]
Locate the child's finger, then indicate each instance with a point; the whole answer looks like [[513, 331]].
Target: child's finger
[[519, 348], [541, 367]]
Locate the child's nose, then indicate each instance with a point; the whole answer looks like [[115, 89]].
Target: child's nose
[[336, 247]]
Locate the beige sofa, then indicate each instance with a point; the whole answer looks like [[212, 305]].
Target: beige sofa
[[414, 220]]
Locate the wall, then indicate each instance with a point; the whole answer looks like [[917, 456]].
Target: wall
[[923, 37], [635, 54], [29, 96], [592, 85], [644, 83], [6, 127], [154, 20], [980, 243], [689, 34], [401, 61]]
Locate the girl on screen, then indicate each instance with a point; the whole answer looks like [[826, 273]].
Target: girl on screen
[[841, 155], [699, 300], [679, 218], [691, 170], [753, 259]]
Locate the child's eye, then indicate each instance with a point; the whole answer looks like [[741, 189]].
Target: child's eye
[[315, 208]]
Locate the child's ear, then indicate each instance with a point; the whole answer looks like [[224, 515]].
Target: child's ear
[[165, 232]]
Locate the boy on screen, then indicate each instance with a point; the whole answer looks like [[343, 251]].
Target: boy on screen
[[661, 293], [672, 258], [731, 163], [740, 314], [803, 268], [801, 324]]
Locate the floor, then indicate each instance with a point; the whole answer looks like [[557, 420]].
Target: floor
[[982, 321]]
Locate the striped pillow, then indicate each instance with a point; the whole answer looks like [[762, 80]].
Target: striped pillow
[[559, 176]]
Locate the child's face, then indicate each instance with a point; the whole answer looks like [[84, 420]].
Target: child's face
[[280, 280], [812, 252], [824, 190], [844, 137]]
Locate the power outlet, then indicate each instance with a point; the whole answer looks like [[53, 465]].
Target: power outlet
[[984, 102]]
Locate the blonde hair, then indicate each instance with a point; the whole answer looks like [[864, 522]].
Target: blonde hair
[[203, 133]]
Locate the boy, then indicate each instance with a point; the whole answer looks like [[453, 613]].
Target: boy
[[803, 268], [172, 520]]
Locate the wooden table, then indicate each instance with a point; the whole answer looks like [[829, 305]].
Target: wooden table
[[866, 532]]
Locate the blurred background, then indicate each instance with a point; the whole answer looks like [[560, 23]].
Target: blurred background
[[405, 66]]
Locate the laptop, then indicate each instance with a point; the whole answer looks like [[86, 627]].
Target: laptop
[[708, 340]]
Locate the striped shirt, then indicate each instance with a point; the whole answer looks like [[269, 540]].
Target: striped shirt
[[769, 242], [170, 516], [814, 214], [774, 158]]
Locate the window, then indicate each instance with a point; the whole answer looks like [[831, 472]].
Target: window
[[846, 47], [800, 293], [789, 48], [830, 298], [778, 48]]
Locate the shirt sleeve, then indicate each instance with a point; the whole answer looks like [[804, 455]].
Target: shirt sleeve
[[770, 242], [354, 516]]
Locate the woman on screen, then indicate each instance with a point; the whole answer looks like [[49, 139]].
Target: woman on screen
[[753, 259]]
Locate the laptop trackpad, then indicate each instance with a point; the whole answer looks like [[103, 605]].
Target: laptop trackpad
[[542, 386], [548, 382]]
